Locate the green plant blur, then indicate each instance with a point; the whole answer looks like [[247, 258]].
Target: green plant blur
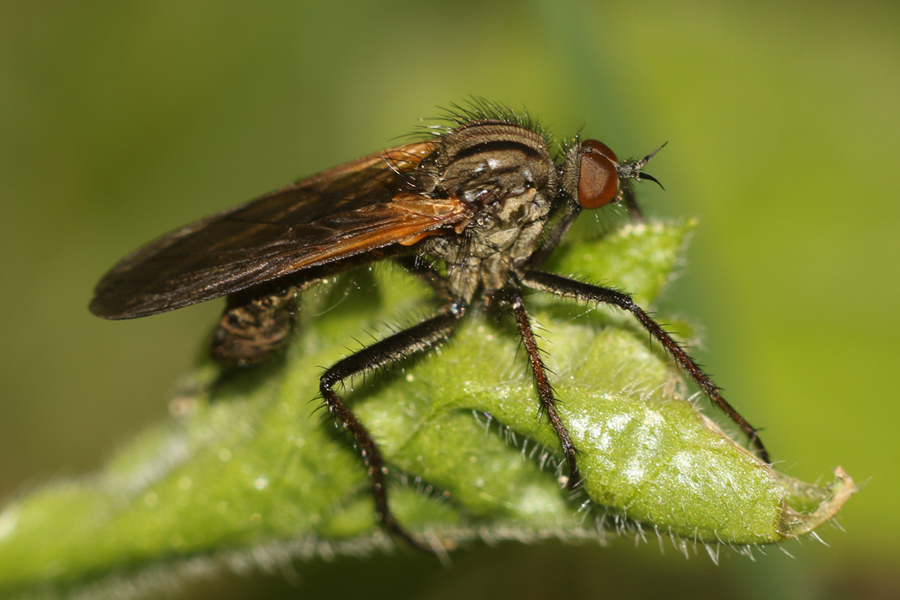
[[120, 121]]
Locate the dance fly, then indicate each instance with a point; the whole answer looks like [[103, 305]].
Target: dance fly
[[473, 209]]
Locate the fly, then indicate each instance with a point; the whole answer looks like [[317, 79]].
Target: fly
[[473, 211]]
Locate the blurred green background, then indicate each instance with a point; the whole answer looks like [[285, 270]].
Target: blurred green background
[[120, 121]]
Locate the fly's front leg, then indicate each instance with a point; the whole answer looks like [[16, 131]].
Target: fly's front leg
[[570, 288], [511, 298], [630, 201], [399, 346]]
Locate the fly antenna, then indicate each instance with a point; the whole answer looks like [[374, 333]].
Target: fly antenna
[[632, 168]]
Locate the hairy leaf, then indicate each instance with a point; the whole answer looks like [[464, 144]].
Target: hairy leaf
[[247, 471]]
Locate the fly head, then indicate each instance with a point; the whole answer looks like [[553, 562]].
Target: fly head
[[593, 176]]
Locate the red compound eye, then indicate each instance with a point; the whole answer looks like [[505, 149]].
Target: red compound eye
[[598, 179]]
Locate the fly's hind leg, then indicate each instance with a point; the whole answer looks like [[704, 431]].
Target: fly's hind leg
[[398, 346], [511, 299]]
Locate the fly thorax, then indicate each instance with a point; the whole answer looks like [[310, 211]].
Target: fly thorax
[[498, 227], [464, 279], [486, 162], [504, 174]]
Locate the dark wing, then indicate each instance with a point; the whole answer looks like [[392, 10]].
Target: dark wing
[[350, 209]]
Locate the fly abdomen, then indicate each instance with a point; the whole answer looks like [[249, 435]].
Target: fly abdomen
[[253, 328]]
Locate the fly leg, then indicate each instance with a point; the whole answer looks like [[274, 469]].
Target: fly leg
[[570, 288], [631, 203], [511, 298], [396, 347]]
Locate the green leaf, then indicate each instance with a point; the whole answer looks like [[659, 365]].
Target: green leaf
[[247, 473]]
